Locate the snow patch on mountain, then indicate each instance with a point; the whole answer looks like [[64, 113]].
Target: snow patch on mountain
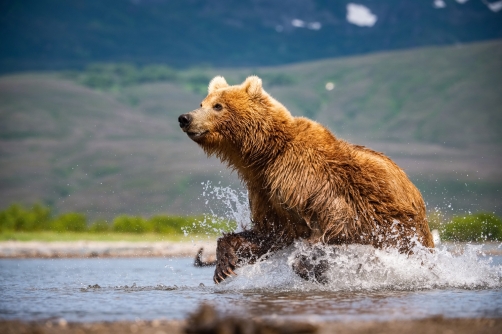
[[439, 4], [494, 6], [360, 15]]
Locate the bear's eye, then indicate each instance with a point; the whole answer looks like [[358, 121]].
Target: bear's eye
[[217, 107], [201, 105]]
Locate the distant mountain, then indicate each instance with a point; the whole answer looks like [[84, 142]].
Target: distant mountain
[[55, 34], [437, 111]]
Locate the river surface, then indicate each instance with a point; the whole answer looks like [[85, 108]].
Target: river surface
[[365, 284]]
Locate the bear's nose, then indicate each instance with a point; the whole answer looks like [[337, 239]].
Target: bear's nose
[[185, 120]]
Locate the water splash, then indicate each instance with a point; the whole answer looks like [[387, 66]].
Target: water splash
[[362, 267], [356, 267], [226, 204]]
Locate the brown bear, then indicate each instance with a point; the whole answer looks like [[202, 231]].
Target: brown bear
[[302, 181]]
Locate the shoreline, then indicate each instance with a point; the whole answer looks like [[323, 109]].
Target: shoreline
[[104, 249], [159, 326], [124, 249]]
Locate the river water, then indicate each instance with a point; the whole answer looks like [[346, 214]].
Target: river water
[[365, 284]]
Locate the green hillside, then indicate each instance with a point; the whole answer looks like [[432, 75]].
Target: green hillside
[[78, 149], [436, 111], [424, 95]]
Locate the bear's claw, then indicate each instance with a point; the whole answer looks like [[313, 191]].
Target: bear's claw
[[226, 261]]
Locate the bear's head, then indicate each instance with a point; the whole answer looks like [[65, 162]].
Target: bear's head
[[238, 122]]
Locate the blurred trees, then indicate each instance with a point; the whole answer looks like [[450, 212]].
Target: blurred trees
[[17, 218], [476, 227], [69, 222], [130, 224]]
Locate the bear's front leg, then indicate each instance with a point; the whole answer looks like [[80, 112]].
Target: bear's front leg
[[233, 250]]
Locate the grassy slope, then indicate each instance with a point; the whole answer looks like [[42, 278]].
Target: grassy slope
[[81, 150], [437, 111], [424, 95]]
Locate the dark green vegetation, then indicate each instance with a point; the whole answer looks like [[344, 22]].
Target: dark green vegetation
[[38, 218], [119, 150], [62, 34], [478, 227], [16, 218]]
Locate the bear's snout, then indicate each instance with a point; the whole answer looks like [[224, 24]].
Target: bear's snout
[[185, 120]]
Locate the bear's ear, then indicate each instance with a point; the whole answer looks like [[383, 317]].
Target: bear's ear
[[217, 83], [253, 85]]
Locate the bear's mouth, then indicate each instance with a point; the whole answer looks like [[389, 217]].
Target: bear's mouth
[[196, 135]]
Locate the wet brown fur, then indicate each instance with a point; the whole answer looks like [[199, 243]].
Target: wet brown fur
[[303, 182]]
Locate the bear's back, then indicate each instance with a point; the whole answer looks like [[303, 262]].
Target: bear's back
[[369, 180], [369, 171]]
